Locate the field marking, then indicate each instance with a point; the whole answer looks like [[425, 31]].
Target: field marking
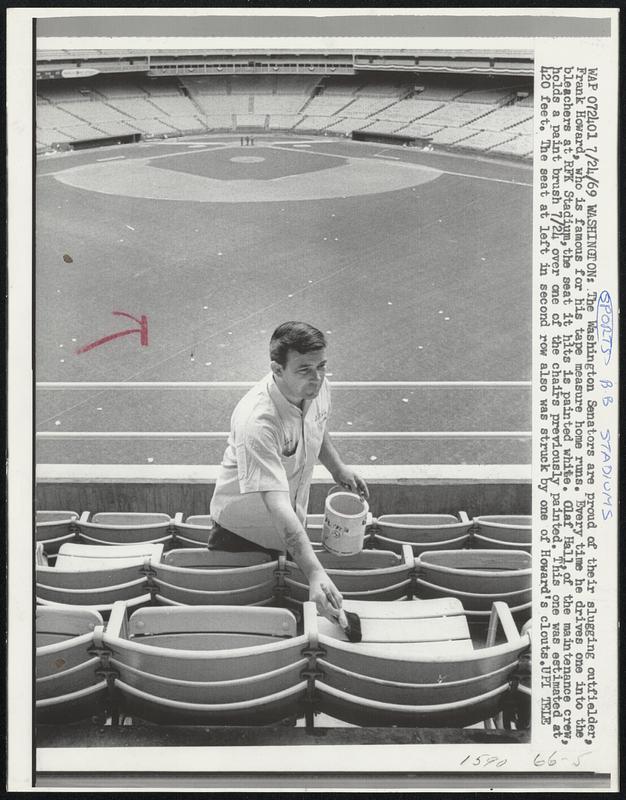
[[426, 167], [379, 155], [335, 434], [76, 385], [201, 473], [110, 158]]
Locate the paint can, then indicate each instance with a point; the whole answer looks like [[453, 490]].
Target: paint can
[[345, 518]]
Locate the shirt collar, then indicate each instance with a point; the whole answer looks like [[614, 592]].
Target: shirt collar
[[281, 402]]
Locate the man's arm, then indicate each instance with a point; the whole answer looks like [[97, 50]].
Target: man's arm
[[322, 590], [342, 475]]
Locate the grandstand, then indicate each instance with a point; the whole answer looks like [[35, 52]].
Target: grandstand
[[130, 602], [113, 105]]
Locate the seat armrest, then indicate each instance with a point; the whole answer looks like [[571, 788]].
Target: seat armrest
[[118, 621], [501, 613], [463, 516], [84, 517], [310, 623]]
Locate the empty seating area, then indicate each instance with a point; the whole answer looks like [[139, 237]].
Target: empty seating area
[[137, 618], [417, 664], [485, 140], [505, 117], [251, 120], [283, 122], [278, 104], [313, 123], [523, 145], [325, 105], [367, 106], [457, 114], [111, 105], [409, 110]]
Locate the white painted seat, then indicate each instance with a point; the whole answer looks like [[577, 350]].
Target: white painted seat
[[415, 665]]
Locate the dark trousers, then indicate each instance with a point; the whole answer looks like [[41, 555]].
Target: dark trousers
[[223, 539]]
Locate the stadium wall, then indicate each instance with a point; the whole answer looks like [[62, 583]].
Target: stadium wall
[[391, 496]]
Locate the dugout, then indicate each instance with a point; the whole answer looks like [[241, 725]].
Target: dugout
[[390, 138]]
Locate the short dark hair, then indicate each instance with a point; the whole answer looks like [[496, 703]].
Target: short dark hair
[[299, 336]]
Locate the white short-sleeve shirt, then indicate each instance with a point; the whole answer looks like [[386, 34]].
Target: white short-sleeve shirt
[[273, 446]]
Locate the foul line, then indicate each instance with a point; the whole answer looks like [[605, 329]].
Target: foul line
[[65, 385], [335, 435], [421, 166]]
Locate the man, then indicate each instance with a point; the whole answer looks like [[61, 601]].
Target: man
[[278, 432]]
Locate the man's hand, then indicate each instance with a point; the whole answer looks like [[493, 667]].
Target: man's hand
[[325, 595], [348, 478]]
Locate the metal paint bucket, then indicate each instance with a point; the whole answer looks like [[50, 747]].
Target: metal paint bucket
[[345, 517]]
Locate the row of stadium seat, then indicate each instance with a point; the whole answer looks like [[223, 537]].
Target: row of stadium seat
[[97, 576], [389, 531], [226, 665]]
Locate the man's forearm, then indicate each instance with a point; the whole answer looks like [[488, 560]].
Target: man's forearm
[[292, 533]]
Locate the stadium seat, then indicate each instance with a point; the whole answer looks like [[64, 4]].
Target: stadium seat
[[213, 577], [478, 578], [193, 531], [125, 528], [95, 576], [368, 575], [416, 665], [507, 531], [53, 528], [421, 531], [208, 665], [68, 685]]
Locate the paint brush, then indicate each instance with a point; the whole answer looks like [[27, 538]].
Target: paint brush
[[349, 622]]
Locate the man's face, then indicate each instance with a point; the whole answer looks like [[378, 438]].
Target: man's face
[[302, 376]]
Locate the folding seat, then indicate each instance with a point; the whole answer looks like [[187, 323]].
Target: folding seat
[[52, 528], [207, 665], [95, 576], [69, 685], [368, 575], [125, 528], [503, 532], [416, 664], [212, 577], [421, 531], [478, 578], [193, 531]]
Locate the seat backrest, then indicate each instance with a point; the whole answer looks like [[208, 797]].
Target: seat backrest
[[193, 643], [422, 528], [54, 527], [124, 528], [130, 518], [201, 558], [52, 517], [429, 542], [510, 529], [83, 557], [476, 577]]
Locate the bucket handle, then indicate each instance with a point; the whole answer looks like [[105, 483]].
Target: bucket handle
[[339, 487]]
